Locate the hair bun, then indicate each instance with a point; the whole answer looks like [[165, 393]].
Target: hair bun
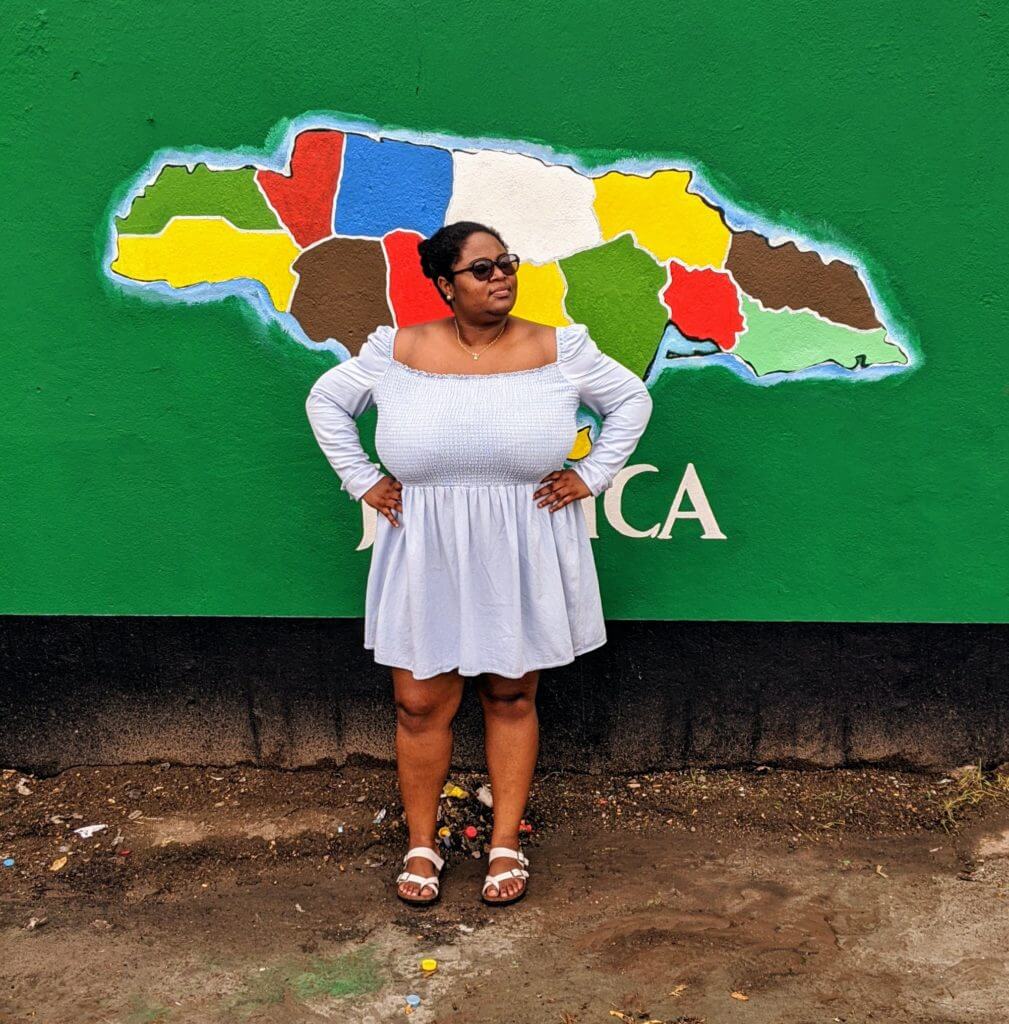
[[441, 250]]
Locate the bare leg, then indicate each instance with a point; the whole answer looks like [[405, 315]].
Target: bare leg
[[425, 709], [512, 740]]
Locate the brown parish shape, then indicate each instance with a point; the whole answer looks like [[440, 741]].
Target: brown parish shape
[[782, 275], [341, 291]]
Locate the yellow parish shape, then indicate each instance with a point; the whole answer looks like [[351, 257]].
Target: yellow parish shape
[[202, 250], [541, 294], [583, 445], [668, 221]]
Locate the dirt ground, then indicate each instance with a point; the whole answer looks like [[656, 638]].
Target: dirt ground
[[248, 895]]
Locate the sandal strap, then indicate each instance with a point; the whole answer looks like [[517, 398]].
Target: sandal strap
[[428, 854], [495, 880], [409, 876], [503, 851]]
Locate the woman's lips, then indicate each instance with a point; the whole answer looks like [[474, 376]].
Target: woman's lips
[[501, 292]]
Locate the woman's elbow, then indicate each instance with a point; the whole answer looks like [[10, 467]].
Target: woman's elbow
[[311, 403], [646, 403], [318, 406]]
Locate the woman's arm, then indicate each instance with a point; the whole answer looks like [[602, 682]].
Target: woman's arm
[[614, 393], [336, 400]]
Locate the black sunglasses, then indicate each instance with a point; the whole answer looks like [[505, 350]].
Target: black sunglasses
[[482, 269]]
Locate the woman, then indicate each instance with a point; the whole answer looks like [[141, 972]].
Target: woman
[[481, 564]]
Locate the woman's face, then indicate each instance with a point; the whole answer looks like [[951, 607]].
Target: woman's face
[[474, 298]]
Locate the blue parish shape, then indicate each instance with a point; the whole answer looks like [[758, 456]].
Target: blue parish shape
[[388, 186]]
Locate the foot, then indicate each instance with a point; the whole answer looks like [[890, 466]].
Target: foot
[[507, 888], [421, 867]]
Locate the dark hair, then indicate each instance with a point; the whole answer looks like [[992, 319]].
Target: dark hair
[[441, 250]]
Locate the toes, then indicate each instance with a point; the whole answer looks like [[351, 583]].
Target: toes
[[412, 890]]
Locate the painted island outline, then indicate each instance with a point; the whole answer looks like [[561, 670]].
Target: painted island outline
[[692, 303]]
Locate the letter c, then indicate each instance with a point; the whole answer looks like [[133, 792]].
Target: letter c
[[613, 496]]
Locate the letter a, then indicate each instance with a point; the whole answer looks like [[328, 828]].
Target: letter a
[[690, 486]]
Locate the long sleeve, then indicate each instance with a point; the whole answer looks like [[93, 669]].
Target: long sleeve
[[336, 400], [614, 393]]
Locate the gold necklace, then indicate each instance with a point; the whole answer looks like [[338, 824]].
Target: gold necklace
[[487, 346]]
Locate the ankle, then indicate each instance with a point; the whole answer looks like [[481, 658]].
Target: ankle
[[506, 839]]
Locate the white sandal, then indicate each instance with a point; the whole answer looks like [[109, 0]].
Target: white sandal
[[495, 880], [431, 881]]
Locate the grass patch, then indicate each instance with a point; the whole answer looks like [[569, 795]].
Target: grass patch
[[351, 974], [142, 1012], [973, 787]]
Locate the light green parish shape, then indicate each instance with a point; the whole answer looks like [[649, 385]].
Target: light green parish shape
[[786, 340]]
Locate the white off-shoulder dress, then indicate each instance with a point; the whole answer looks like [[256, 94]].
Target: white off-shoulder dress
[[478, 578]]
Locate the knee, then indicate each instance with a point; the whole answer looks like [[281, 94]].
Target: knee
[[508, 702], [419, 714]]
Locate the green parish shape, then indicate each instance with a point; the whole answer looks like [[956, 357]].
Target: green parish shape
[[615, 288], [179, 192]]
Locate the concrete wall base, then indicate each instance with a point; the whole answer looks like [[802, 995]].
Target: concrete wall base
[[291, 693]]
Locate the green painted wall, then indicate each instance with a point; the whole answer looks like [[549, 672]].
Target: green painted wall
[[157, 459]]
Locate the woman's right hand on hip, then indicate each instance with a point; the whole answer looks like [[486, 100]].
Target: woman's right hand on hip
[[386, 497]]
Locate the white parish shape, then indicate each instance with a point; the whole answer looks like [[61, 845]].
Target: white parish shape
[[544, 212]]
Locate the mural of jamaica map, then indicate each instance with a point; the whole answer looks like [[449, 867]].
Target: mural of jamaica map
[[321, 236]]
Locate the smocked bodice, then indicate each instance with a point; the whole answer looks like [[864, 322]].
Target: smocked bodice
[[468, 429]]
